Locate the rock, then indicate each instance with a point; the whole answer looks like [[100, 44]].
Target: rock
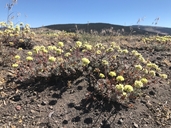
[[120, 121], [32, 111], [43, 103], [135, 125], [18, 107]]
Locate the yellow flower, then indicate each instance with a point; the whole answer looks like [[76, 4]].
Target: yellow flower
[[138, 84], [88, 46], [50, 48], [98, 52], [60, 44], [120, 78], [164, 76], [11, 35], [11, 43], [42, 47], [138, 67], [85, 61], [152, 72], [128, 88], [125, 51], [67, 54], [29, 58], [117, 47], [105, 62], [15, 65], [145, 71], [17, 28], [124, 94], [101, 75], [52, 59], [110, 50], [144, 80], [114, 57], [112, 74], [60, 59], [119, 87], [30, 53], [142, 59], [135, 53], [98, 45], [84, 50], [59, 51], [17, 57], [113, 44], [120, 50], [103, 47], [21, 40], [45, 51], [20, 49], [78, 44]]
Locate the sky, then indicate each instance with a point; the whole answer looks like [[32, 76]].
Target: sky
[[39, 13]]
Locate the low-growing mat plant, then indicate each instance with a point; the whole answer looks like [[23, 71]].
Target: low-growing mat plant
[[116, 74]]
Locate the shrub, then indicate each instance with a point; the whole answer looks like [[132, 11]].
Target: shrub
[[118, 74], [16, 36]]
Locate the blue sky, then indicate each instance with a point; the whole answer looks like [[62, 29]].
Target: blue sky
[[122, 12]]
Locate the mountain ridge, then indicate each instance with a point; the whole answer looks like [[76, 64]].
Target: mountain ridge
[[133, 29]]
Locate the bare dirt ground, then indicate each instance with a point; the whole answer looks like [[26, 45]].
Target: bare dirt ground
[[52, 104]]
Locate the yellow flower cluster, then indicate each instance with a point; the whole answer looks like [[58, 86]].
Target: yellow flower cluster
[[125, 51], [105, 62], [98, 52], [120, 78], [138, 67], [109, 50], [29, 58], [138, 84], [60, 44], [153, 65], [30, 53], [51, 48], [59, 51], [15, 65], [164, 76], [78, 44], [135, 53], [67, 54], [152, 73], [17, 57], [144, 80], [101, 75], [112, 73], [119, 87], [88, 46], [85, 61], [128, 88], [52, 59]]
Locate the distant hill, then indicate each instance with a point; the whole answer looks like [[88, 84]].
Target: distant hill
[[99, 27], [156, 29]]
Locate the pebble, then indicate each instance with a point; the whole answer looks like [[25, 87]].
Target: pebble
[[50, 107], [43, 103], [120, 121], [135, 125], [32, 111], [18, 107]]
